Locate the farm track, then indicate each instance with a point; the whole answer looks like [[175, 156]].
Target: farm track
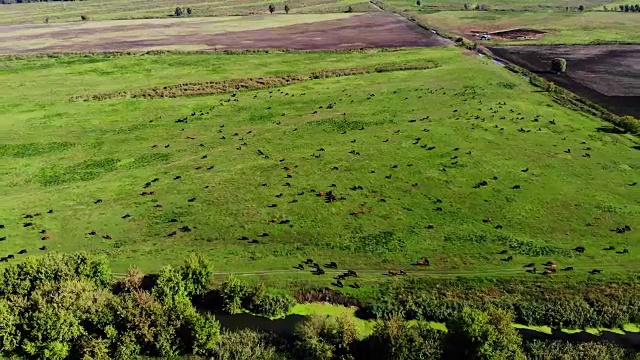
[[419, 273]]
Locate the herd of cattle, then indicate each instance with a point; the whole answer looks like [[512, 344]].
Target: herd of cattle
[[332, 194]]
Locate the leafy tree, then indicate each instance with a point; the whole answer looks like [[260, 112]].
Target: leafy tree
[[325, 338], [479, 335], [557, 349], [244, 345], [559, 65], [272, 8], [419, 3], [581, 8], [46, 20], [196, 274], [178, 11], [394, 339], [169, 286], [202, 334], [189, 11], [287, 8], [233, 292], [84, 17], [605, 8], [467, 6], [621, 7], [626, 8], [9, 322], [350, 9]]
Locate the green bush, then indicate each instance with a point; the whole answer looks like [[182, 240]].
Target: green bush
[[244, 345], [271, 305], [562, 350], [394, 339], [474, 334], [321, 338]]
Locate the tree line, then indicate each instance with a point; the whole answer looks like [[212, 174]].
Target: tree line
[[67, 306]]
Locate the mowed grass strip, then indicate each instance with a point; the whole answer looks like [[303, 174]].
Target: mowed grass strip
[[408, 147]]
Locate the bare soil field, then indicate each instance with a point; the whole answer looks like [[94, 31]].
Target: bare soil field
[[605, 74], [299, 32]]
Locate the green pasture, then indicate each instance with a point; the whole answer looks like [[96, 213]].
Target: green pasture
[[62, 155], [561, 27], [69, 11]]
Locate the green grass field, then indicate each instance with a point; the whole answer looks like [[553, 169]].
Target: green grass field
[[31, 13], [561, 27], [518, 5], [63, 155]]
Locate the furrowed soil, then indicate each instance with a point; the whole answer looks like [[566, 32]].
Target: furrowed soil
[[605, 74], [298, 32]]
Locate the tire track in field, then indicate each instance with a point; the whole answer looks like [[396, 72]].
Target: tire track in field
[[420, 273]]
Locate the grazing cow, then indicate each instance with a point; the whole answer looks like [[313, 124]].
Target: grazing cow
[[173, 233], [355, 285], [43, 231], [498, 227], [487, 220], [568, 151], [550, 263], [388, 176], [284, 222], [167, 146], [279, 195], [27, 224], [50, 211], [177, 177], [191, 137], [28, 216], [155, 180], [157, 206], [97, 201], [332, 265], [185, 229], [46, 237], [516, 187], [126, 216], [107, 236], [547, 272], [191, 200], [10, 256], [624, 251], [392, 273], [423, 262], [23, 251], [339, 283], [595, 271], [198, 167], [308, 261], [402, 272], [530, 265], [3, 259], [3, 238], [568, 268], [579, 249], [1, 226], [611, 247], [243, 238], [502, 252], [146, 185], [509, 258], [524, 170], [480, 184], [43, 248], [272, 205], [92, 232]]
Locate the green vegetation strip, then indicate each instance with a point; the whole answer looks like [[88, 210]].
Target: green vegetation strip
[[232, 85]]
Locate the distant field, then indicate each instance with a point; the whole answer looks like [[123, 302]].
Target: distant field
[[529, 5], [303, 32], [408, 152], [58, 11], [560, 27]]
